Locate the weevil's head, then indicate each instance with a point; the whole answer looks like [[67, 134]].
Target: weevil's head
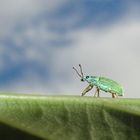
[[81, 75], [86, 78], [90, 79]]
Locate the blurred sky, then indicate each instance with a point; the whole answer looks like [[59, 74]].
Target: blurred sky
[[41, 40]]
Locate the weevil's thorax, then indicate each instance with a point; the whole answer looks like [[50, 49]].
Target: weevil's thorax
[[92, 80]]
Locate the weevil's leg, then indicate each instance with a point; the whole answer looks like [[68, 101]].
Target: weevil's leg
[[87, 89], [116, 95], [97, 91], [113, 95]]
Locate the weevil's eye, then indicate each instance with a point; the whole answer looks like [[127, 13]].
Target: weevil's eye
[[87, 77]]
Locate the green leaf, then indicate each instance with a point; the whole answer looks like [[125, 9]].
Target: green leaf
[[68, 118]]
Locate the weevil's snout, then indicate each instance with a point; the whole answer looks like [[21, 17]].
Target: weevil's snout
[[82, 79]]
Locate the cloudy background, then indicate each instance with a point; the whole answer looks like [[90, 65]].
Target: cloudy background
[[41, 40]]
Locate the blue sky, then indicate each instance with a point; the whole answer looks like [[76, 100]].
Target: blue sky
[[41, 41]]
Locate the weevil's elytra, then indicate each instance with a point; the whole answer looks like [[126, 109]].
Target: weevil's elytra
[[101, 83]]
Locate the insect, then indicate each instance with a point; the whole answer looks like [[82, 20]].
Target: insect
[[101, 83]]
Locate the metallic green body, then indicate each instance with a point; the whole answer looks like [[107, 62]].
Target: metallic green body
[[104, 84]]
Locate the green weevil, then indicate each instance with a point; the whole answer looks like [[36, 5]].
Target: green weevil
[[101, 83]]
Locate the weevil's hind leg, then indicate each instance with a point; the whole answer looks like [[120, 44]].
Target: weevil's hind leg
[[87, 89], [97, 91], [98, 94], [113, 95]]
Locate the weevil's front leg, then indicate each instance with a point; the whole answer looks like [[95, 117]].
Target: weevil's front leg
[[97, 91], [86, 90]]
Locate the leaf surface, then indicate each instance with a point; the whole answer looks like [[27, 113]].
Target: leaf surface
[[68, 118]]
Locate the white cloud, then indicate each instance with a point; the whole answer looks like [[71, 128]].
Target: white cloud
[[14, 12]]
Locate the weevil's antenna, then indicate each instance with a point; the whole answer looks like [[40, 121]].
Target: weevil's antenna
[[77, 72], [81, 70]]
